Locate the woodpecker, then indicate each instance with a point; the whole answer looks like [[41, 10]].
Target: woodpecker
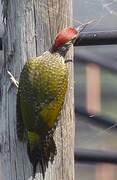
[[42, 87]]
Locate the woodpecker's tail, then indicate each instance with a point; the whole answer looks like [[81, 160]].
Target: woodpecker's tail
[[41, 150]]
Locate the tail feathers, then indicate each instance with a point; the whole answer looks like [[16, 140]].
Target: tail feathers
[[42, 152], [42, 167]]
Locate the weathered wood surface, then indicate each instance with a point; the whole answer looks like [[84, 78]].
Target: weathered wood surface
[[30, 30], [1, 24]]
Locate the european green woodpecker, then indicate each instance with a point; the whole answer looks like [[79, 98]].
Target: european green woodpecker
[[42, 88]]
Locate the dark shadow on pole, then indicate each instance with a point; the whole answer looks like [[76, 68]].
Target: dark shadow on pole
[[0, 44]]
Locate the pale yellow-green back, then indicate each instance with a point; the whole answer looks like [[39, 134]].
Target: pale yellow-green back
[[42, 88]]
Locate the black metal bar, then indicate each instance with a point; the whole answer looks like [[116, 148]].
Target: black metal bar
[[91, 58], [97, 38], [0, 44], [100, 120], [94, 156], [92, 38]]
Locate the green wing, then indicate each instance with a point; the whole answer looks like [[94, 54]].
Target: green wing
[[42, 88]]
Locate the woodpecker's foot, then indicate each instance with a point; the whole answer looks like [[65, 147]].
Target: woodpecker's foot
[[68, 60], [16, 83]]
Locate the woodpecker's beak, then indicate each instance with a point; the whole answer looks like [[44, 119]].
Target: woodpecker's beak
[[80, 29], [83, 26]]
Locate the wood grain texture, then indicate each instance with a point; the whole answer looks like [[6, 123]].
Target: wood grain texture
[[31, 26]]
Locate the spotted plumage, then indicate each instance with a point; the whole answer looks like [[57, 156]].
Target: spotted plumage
[[42, 87], [41, 93]]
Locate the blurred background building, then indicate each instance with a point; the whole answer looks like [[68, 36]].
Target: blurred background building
[[96, 93]]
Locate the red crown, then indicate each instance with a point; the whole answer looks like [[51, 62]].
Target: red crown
[[65, 36]]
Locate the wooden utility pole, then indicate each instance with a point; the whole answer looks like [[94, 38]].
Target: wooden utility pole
[[30, 28]]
